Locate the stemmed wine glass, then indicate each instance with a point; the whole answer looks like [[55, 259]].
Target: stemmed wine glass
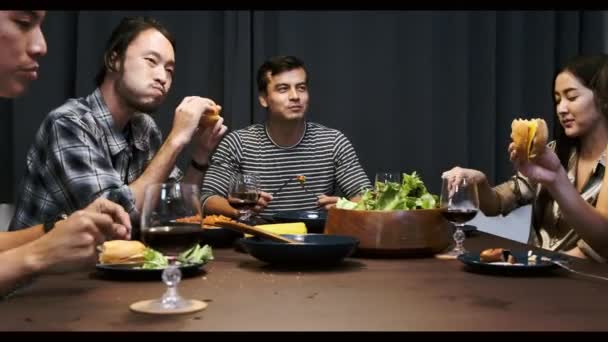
[[164, 203], [459, 204], [384, 177], [243, 194]]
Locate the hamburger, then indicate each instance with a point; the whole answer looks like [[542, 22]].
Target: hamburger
[[210, 117], [496, 255], [122, 252], [529, 137]]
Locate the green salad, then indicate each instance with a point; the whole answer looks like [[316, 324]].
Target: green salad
[[195, 255], [410, 194]]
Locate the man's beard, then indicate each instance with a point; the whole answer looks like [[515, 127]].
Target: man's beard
[[131, 99]]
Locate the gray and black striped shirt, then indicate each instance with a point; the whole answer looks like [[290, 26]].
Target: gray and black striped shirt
[[324, 156]]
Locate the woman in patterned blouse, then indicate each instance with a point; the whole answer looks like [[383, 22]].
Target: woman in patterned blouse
[[570, 212]]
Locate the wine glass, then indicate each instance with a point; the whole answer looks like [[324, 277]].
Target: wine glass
[[243, 194], [164, 203], [459, 204], [384, 177]]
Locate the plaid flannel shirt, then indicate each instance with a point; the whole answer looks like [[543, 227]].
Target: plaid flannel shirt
[[78, 155]]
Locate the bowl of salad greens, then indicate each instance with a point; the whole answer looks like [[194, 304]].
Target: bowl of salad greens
[[393, 219]]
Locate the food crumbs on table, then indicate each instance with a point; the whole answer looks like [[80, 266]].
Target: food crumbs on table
[[312, 296]]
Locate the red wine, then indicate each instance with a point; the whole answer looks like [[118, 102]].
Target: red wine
[[459, 216], [243, 200], [172, 240]]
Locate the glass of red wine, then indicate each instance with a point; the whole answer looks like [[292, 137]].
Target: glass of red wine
[[243, 194], [459, 204], [164, 204]]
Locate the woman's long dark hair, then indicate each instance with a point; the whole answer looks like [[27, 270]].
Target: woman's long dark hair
[[592, 72]]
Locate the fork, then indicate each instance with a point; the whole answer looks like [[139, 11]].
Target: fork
[[307, 191], [282, 186], [566, 267], [299, 181]]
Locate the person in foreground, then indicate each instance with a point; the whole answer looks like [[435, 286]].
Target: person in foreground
[[570, 205], [306, 161], [105, 145], [69, 241]]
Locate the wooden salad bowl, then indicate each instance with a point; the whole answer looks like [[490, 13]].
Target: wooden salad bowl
[[397, 233]]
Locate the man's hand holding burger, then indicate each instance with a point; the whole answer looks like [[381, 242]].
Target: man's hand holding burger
[[210, 132]]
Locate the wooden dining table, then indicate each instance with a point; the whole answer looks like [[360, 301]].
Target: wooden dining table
[[360, 294]]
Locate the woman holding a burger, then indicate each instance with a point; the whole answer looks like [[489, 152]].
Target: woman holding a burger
[[562, 179]]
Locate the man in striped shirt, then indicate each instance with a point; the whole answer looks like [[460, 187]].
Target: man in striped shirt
[[300, 164]]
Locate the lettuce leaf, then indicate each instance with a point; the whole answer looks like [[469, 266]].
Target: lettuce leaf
[[427, 201], [409, 195], [154, 259], [195, 255], [343, 203]]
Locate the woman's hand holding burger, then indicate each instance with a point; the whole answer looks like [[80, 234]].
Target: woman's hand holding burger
[[530, 154]]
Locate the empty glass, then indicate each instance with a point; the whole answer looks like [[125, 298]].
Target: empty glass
[[384, 177]]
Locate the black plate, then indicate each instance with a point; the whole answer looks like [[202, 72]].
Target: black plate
[[522, 267], [316, 249], [215, 236], [468, 230], [313, 219], [131, 271]]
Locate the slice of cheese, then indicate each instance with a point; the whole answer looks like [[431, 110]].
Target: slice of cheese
[[284, 228], [532, 127]]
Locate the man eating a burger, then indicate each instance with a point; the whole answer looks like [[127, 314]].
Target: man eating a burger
[[105, 144]]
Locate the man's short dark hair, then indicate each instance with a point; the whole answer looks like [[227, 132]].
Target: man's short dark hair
[[277, 65], [122, 36]]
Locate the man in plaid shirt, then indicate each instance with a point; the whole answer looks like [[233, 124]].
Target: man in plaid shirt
[[105, 145], [71, 241]]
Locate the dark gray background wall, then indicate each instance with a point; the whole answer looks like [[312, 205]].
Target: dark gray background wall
[[413, 90]]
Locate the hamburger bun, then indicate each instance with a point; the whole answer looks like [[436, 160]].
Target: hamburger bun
[[209, 118], [529, 137], [121, 252]]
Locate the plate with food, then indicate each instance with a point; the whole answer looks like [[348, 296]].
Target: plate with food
[[211, 234], [505, 261], [207, 222], [122, 259]]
